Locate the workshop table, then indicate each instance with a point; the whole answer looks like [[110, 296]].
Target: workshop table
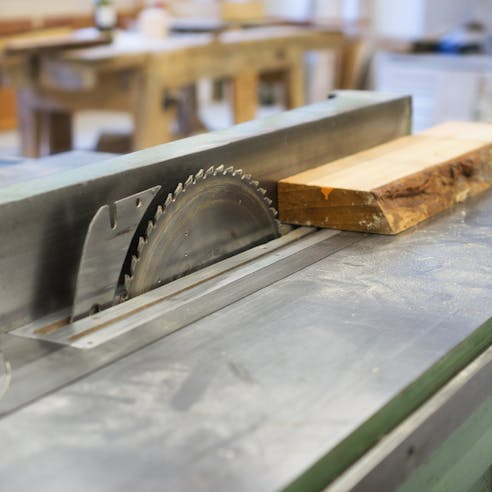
[[143, 77], [328, 344]]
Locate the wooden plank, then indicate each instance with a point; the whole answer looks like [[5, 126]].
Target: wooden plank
[[394, 186]]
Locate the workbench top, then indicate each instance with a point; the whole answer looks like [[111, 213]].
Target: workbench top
[[128, 43]]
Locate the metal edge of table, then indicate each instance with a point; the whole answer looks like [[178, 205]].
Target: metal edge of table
[[414, 453], [390, 466]]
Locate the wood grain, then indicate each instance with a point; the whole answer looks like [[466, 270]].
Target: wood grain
[[394, 186]]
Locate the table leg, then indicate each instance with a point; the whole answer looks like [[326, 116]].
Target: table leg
[[42, 132], [189, 121], [29, 124], [245, 96], [153, 117], [295, 84], [56, 132]]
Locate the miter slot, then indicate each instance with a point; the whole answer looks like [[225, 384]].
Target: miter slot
[[188, 298], [105, 247]]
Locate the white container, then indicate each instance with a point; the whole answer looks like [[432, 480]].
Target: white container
[[153, 22], [289, 9], [403, 19]]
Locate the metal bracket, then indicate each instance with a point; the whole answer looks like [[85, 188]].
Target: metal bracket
[[105, 248]]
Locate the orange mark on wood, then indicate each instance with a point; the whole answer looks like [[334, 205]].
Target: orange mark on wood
[[326, 191]]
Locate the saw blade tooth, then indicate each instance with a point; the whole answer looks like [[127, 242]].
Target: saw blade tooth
[[150, 228], [189, 181], [262, 190], [178, 190], [238, 172], [159, 210], [274, 212], [256, 184], [134, 263], [246, 177], [141, 243], [219, 170], [200, 174], [209, 171], [268, 201], [229, 170], [127, 281], [123, 297], [169, 199]]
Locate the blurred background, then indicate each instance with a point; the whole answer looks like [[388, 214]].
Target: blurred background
[[439, 51]]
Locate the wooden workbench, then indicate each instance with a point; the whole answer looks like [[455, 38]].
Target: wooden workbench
[[140, 76]]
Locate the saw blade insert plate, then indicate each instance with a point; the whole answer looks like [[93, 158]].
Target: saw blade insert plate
[[215, 214]]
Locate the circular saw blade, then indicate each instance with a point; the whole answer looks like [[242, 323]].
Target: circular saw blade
[[215, 214]]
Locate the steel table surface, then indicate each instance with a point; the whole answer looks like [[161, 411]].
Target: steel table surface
[[251, 396]]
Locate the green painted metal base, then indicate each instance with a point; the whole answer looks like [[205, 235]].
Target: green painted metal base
[[462, 463]]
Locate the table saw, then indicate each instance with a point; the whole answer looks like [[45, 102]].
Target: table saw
[[161, 330]]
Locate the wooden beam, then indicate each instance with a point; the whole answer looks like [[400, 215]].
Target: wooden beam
[[295, 84], [394, 186], [154, 116], [245, 96]]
